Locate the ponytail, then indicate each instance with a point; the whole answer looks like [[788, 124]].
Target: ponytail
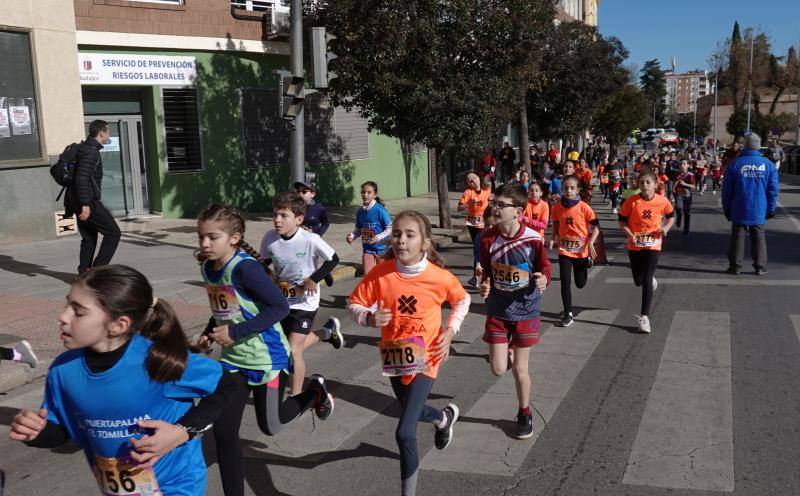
[[167, 357], [123, 291]]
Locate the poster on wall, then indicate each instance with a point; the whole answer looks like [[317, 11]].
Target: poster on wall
[[132, 70], [20, 120], [5, 129]]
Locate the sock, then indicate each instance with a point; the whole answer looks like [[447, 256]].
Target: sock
[[526, 410], [410, 485], [17, 356], [442, 422]]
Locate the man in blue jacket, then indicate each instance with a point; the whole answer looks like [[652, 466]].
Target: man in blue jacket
[[749, 197]]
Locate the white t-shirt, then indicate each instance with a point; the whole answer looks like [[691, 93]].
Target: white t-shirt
[[293, 261]]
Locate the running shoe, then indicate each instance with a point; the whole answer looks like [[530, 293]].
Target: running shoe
[[714, 192], [655, 284], [28, 356], [644, 324], [444, 435], [566, 320], [614, 210], [337, 339], [473, 282], [761, 272], [324, 405], [524, 428], [734, 271]]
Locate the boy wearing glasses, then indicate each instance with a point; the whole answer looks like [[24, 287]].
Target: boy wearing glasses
[[515, 272]]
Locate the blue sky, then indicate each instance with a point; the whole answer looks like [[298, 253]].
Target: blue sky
[[689, 30]]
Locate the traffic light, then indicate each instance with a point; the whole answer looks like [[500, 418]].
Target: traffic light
[[320, 56], [293, 96]]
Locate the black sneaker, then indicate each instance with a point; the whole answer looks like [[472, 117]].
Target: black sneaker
[[761, 272], [734, 271], [444, 435], [589, 262], [328, 280], [324, 405], [524, 428], [337, 339], [566, 320]]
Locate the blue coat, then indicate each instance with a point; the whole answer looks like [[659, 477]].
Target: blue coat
[[750, 188]]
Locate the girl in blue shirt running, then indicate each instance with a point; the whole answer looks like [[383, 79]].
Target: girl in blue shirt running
[[124, 390], [373, 225]]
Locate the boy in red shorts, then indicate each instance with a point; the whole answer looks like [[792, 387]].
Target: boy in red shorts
[[515, 273]]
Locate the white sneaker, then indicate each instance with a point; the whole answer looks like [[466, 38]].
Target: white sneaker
[[613, 210], [28, 356], [714, 192], [473, 282], [655, 284], [644, 324]]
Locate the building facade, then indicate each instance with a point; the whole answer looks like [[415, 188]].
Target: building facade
[[683, 90], [585, 11], [193, 106]]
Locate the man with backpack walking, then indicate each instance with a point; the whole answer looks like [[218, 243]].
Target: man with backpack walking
[[82, 198]]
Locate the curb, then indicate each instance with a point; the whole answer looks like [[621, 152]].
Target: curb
[[20, 375]]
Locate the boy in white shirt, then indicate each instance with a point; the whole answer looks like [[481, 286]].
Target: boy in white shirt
[[294, 254]]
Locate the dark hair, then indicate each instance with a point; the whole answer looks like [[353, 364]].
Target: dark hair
[[571, 178], [233, 222], [515, 191], [290, 200], [374, 186], [123, 291], [425, 230], [96, 126], [647, 172], [536, 183]]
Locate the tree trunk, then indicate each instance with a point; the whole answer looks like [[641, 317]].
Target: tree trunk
[[522, 131], [445, 222], [777, 97]]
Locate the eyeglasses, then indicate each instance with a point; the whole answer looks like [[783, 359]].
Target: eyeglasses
[[499, 204]]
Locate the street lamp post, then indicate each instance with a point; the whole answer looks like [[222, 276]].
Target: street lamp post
[[297, 141], [750, 92]]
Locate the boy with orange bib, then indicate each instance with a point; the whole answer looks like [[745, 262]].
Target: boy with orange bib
[[516, 272], [408, 290], [642, 219], [575, 229]]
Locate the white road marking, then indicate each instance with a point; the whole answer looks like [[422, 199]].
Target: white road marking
[[685, 438], [741, 281]]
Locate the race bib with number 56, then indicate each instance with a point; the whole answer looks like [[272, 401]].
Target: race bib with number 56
[[118, 477]]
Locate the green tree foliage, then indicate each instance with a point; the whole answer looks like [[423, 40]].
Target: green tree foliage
[[447, 73], [620, 115], [579, 70], [654, 86], [687, 128]]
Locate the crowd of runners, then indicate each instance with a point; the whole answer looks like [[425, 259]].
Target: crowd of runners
[[136, 397]]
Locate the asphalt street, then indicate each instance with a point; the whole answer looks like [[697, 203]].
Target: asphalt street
[[706, 404]]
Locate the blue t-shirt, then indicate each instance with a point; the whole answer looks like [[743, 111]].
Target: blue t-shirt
[[555, 185], [100, 412], [369, 223]]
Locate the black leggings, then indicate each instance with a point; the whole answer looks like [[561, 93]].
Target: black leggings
[[412, 398], [473, 232], [6, 353], [643, 267], [565, 265], [272, 413], [683, 209]]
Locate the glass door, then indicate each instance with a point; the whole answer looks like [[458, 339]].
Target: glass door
[[124, 186]]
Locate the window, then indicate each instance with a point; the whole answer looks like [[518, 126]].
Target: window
[[171, 2], [182, 130], [19, 113], [331, 134]]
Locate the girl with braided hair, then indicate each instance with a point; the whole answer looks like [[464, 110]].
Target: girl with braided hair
[[247, 308]]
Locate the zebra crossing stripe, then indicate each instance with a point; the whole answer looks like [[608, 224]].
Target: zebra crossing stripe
[[685, 438], [730, 281], [483, 441], [796, 324]]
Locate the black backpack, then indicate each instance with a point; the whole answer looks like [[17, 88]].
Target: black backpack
[[63, 171]]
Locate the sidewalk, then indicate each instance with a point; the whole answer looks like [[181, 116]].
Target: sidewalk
[[35, 277]]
